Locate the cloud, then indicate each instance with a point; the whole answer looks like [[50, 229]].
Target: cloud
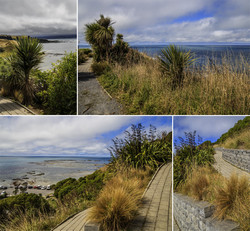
[[67, 135], [206, 126], [172, 21], [54, 135], [38, 17]]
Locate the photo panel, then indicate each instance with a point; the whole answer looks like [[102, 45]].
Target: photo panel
[[211, 172], [101, 171]]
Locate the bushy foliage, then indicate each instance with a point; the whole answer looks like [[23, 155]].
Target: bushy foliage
[[29, 204], [139, 149], [59, 88], [85, 188], [84, 54], [189, 151], [237, 128], [100, 68]]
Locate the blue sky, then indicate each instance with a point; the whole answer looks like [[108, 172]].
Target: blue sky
[[208, 127], [174, 21], [68, 135]]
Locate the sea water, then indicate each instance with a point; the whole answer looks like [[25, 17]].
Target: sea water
[[54, 51], [46, 170], [201, 52]]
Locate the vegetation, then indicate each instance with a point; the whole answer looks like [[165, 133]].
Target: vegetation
[[28, 204], [84, 54], [230, 196], [190, 151], [169, 84], [100, 35], [57, 87], [139, 149], [173, 62], [53, 91], [236, 137], [119, 200]]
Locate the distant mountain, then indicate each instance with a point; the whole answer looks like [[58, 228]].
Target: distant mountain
[[63, 36]]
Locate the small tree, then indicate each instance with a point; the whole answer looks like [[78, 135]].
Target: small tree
[[27, 55]]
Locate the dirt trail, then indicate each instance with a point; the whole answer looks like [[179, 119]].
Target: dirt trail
[[92, 98]]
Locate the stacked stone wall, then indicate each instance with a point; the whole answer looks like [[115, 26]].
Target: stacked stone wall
[[197, 216]]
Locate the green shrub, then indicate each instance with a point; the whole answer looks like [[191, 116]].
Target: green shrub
[[60, 96], [84, 55], [139, 149], [188, 153], [100, 67], [29, 204]]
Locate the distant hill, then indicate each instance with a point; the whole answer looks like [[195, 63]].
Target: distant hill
[[63, 36], [237, 137]]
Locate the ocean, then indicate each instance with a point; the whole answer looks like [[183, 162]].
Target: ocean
[[46, 170], [201, 52], [55, 51]]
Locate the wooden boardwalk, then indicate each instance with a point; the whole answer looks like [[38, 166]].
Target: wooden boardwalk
[[75, 223], [9, 107], [155, 213], [225, 168]]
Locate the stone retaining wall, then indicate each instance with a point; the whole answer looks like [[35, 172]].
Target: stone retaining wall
[[237, 157], [197, 216]]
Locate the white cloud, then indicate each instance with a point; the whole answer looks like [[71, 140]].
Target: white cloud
[[38, 17], [58, 135], [152, 21]]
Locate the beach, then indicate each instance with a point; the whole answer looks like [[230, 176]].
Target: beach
[[46, 170]]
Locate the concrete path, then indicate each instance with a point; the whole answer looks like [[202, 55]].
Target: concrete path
[[225, 168], [75, 223], [155, 214], [92, 98], [9, 107]]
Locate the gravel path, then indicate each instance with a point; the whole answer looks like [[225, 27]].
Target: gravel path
[[9, 107], [92, 98], [225, 168], [155, 213]]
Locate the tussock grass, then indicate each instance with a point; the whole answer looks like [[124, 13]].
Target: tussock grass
[[213, 89], [231, 197], [119, 200]]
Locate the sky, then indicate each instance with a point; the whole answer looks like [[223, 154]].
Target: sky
[[38, 17], [208, 127], [174, 21], [68, 135]]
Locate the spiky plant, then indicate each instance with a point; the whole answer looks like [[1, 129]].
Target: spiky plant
[[100, 35], [27, 55], [173, 62]]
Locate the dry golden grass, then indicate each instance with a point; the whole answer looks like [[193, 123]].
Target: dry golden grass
[[218, 89], [119, 200], [231, 197], [238, 141]]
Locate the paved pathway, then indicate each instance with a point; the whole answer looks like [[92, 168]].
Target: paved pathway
[[73, 224], [92, 99], [225, 168], [9, 107], [155, 213]]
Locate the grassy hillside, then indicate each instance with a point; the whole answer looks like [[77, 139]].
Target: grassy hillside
[[237, 137]]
